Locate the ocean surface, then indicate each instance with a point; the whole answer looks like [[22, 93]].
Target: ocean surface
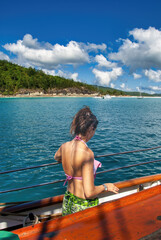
[[32, 129]]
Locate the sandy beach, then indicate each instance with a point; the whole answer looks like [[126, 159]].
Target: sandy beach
[[41, 94], [31, 95]]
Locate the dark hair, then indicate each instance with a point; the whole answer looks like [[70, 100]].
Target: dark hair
[[83, 119]]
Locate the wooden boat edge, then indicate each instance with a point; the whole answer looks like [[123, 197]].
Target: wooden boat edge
[[57, 224], [58, 199]]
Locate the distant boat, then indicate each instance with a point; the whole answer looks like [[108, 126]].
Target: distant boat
[[140, 97], [107, 96]]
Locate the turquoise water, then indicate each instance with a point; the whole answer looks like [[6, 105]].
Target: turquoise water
[[32, 129]]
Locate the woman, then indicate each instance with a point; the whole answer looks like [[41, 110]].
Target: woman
[[80, 166]]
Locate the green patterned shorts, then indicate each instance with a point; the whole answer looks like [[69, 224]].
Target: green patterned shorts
[[72, 203]]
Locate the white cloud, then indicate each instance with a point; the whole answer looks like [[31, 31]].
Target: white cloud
[[154, 76], [143, 89], [60, 73], [122, 85], [105, 77], [155, 88], [94, 47], [69, 75], [138, 89], [46, 55], [29, 42], [136, 76], [125, 88], [74, 76], [112, 85], [4, 56], [49, 72], [144, 52], [103, 62]]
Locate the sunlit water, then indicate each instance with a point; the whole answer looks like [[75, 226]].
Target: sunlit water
[[32, 129]]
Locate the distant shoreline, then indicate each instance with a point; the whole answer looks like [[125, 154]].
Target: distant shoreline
[[46, 95], [36, 95]]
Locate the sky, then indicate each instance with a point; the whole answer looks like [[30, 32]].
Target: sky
[[112, 43]]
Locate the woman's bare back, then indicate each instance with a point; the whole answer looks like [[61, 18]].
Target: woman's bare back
[[73, 155]]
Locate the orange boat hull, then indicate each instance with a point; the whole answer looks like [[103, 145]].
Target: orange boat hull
[[131, 218]]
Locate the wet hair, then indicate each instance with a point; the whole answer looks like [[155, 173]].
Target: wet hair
[[83, 119]]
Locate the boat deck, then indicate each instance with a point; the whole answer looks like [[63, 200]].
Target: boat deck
[[129, 218]]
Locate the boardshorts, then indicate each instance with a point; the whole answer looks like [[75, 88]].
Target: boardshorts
[[72, 203]]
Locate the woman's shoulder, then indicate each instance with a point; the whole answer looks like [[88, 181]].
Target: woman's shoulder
[[90, 152], [66, 143], [88, 155]]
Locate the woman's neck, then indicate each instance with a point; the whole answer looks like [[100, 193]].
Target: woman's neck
[[82, 138]]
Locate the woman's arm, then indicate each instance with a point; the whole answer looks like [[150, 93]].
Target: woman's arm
[[58, 155], [90, 189]]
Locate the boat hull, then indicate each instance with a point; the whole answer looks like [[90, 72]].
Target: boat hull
[[128, 207], [131, 217]]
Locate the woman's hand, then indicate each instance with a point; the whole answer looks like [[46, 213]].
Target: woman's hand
[[111, 187]]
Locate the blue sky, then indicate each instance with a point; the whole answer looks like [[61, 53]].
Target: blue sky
[[110, 43]]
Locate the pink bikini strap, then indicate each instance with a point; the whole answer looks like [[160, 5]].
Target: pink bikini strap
[[79, 138], [70, 178]]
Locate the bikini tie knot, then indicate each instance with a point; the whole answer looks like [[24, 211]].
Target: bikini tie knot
[[77, 138]]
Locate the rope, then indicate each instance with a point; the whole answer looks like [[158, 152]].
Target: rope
[[106, 155], [133, 165], [140, 150], [33, 186], [48, 183], [21, 169]]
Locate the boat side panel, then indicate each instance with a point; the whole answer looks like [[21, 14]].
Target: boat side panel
[[133, 216]]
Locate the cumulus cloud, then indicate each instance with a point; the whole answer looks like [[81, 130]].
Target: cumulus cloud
[[112, 85], [122, 85], [49, 72], [143, 52], [4, 56], [46, 55], [142, 88], [103, 62], [153, 75], [29, 42], [138, 89], [155, 88], [136, 76], [151, 89], [69, 75], [94, 47], [105, 77], [125, 88], [60, 73]]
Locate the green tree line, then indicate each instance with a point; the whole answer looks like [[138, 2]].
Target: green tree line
[[14, 77]]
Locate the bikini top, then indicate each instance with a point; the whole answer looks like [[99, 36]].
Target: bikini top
[[96, 165]]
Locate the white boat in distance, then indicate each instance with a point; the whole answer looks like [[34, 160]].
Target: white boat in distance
[[140, 97], [107, 96]]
